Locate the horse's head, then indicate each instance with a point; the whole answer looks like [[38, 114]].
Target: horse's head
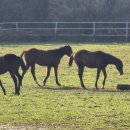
[[119, 67], [68, 50]]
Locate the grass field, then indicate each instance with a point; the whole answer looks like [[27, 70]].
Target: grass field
[[69, 106]]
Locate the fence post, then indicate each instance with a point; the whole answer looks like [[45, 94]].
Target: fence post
[[17, 27], [56, 28], [126, 35], [94, 30]]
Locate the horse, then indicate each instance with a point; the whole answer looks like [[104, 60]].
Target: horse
[[49, 58], [97, 59], [11, 63]]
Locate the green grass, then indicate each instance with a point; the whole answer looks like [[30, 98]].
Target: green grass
[[68, 106]]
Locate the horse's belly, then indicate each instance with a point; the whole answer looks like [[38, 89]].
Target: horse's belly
[[41, 64], [49, 63], [2, 71], [91, 66]]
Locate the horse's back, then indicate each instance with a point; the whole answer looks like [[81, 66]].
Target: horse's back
[[9, 62], [32, 51], [12, 61], [88, 58], [10, 58], [83, 54], [41, 57], [90, 54]]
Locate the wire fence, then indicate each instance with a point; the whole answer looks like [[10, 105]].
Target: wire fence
[[67, 29]]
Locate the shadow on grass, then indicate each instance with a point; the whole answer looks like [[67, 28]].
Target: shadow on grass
[[81, 89], [111, 90], [59, 88]]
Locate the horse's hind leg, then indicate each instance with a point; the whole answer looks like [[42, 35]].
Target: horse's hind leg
[[15, 82], [48, 74], [56, 75], [80, 73], [98, 74], [105, 76], [24, 72], [3, 89], [33, 74], [19, 77]]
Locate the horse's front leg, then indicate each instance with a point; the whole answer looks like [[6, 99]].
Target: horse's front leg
[[80, 73], [56, 75], [15, 83], [3, 89], [19, 77], [98, 74], [48, 74], [105, 76]]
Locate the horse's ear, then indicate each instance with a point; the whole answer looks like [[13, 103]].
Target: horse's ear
[[67, 45]]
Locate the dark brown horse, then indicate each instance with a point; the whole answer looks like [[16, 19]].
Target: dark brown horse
[[97, 59], [49, 58], [11, 63]]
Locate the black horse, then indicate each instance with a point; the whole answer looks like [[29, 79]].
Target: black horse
[[97, 59], [49, 58], [11, 63]]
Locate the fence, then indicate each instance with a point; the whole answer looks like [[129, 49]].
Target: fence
[[67, 29]]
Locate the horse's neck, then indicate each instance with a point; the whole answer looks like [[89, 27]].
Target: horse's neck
[[111, 60], [60, 53]]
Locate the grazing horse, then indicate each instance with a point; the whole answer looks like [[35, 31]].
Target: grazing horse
[[97, 59], [11, 63], [49, 58]]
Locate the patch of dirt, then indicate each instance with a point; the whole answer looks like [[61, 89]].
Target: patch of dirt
[[8, 127]]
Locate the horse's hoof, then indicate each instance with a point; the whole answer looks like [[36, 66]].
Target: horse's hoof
[[58, 84], [96, 88], [17, 94], [84, 87], [4, 92], [44, 84]]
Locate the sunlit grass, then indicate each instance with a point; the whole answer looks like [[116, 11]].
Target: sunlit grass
[[68, 106]]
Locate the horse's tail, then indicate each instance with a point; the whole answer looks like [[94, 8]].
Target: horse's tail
[[22, 54], [22, 64], [23, 67], [71, 59]]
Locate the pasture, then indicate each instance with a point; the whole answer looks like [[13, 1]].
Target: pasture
[[68, 106]]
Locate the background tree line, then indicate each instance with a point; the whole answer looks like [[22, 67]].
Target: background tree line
[[64, 10]]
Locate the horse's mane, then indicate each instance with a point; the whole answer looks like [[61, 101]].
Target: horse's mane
[[61, 47], [108, 56], [58, 49]]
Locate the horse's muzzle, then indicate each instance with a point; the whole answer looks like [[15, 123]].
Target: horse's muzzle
[[121, 73]]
